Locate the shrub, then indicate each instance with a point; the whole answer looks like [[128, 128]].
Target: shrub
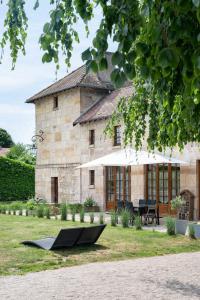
[[16, 205], [40, 211], [191, 231], [17, 180], [138, 223], [31, 204], [63, 212], [75, 206], [89, 202], [101, 218], [170, 224], [113, 218], [82, 216], [73, 212], [55, 211], [125, 217], [91, 218], [47, 212]]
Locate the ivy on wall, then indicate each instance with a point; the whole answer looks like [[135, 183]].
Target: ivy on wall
[[17, 180]]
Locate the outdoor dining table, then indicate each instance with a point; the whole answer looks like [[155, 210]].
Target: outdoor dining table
[[142, 207]]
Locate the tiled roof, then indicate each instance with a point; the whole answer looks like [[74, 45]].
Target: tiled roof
[[78, 78], [104, 107], [4, 151]]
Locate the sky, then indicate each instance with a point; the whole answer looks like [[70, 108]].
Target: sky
[[30, 74]]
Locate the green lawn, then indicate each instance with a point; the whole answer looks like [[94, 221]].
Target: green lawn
[[115, 244]]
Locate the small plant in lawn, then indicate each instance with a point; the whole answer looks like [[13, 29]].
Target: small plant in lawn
[[113, 218], [31, 204], [101, 218], [73, 212], [125, 217], [75, 206], [40, 211], [91, 218], [191, 231], [176, 204], [170, 224], [138, 223], [63, 212], [55, 211], [82, 216], [47, 212]]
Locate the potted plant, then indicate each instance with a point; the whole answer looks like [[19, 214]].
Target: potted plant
[[180, 225], [90, 205]]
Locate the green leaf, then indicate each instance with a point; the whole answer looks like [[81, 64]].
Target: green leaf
[[118, 78], [46, 28], [117, 58], [168, 57], [129, 71], [86, 55], [36, 5], [94, 66], [103, 64], [46, 58]]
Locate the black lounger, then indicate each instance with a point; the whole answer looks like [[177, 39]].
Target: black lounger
[[69, 237]]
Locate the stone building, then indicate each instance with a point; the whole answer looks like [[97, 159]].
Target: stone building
[[72, 115]]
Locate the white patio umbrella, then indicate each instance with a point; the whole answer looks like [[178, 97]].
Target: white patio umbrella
[[131, 157]]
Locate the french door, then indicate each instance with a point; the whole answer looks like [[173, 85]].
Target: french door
[[162, 185], [118, 186]]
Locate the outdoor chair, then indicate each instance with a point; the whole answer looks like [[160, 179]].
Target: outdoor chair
[[151, 213], [120, 206], [130, 208], [69, 237]]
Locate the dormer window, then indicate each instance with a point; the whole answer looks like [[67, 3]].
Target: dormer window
[[91, 137], [55, 103], [117, 136]]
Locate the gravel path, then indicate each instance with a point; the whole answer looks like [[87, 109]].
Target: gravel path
[[167, 277]]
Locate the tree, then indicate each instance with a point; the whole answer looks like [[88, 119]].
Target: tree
[[5, 139], [21, 152], [158, 48]]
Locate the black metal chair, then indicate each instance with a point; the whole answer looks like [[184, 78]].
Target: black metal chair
[[151, 213], [120, 206], [130, 208], [69, 237]]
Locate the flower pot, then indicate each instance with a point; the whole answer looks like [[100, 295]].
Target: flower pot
[[181, 226], [196, 230], [91, 208]]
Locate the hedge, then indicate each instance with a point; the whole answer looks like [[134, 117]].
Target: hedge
[[17, 180]]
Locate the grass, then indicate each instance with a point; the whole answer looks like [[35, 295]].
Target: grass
[[116, 243]]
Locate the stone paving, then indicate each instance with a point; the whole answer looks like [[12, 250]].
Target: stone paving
[[167, 277]]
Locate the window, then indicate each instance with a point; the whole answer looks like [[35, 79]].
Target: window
[[91, 177], [117, 135], [55, 103], [91, 137]]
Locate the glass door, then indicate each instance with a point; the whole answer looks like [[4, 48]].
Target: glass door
[[118, 186]]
